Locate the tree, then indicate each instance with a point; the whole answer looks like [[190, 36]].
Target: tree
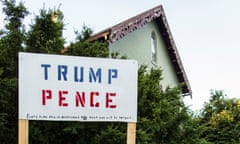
[[162, 116], [12, 37], [45, 35], [221, 116], [11, 42], [82, 46]]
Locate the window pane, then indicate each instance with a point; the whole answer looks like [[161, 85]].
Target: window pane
[[153, 47]]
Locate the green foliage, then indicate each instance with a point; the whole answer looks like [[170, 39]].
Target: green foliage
[[221, 116], [112, 133], [45, 35], [12, 37], [8, 110], [85, 33], [11, 40], [85, 48], [162, 115]]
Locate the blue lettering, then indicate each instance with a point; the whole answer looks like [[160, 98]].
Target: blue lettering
[[76, 77], [93, 76], [45, 66], [62, 72], [112, 73]]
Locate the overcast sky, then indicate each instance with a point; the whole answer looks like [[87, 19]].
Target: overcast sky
[[206, 33]]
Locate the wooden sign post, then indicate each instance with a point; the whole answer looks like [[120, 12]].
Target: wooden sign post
[[131, 133], [22, 131]]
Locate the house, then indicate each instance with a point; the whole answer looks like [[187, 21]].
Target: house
[[147, 38]]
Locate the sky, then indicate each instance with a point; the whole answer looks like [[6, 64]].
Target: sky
[[206, 33]]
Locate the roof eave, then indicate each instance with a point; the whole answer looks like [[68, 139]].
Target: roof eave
[[173, 53]]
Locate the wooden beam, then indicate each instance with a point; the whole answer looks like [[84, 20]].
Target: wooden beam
[[22, 131], [131, 133]]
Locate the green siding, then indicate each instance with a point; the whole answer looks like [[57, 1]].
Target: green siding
[[137, 45]]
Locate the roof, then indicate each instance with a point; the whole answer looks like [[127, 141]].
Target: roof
[[156, 14]]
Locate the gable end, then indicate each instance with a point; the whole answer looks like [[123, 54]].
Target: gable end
[[156, 14]]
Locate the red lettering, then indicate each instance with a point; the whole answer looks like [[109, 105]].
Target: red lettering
[[62, 98], [92, 94], [108, 100], [46, 94], [80, 99]]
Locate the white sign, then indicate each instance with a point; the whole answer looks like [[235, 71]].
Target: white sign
[[69, 88]]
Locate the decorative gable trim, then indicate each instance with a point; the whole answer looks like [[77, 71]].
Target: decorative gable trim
[[120, 30]]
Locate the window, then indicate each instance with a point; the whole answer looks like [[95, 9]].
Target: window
[[154, 47]]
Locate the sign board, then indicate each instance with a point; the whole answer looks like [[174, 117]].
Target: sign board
[[70, 88]]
